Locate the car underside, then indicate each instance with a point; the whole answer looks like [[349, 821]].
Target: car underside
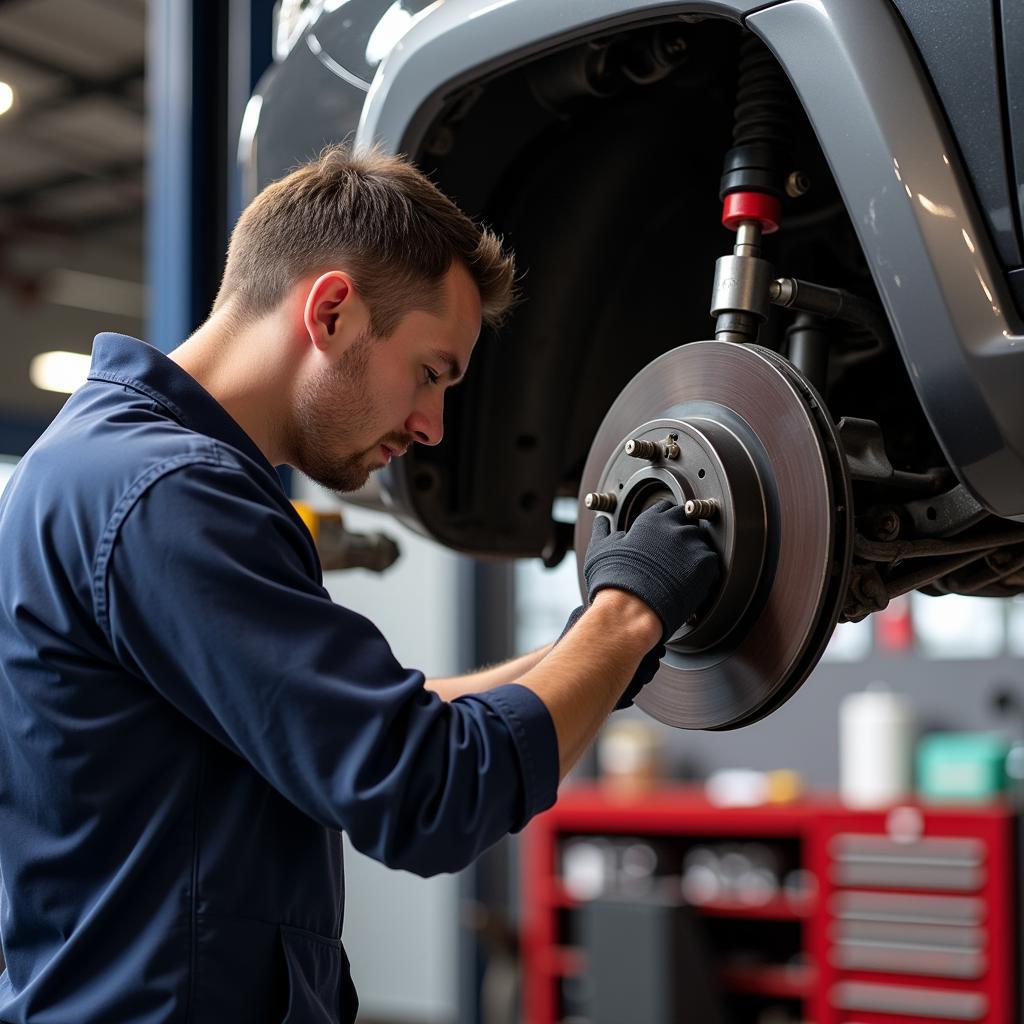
[[749, 372], [600, 165]]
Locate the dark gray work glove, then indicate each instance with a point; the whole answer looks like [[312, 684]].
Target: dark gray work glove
[[641, 677], [662, 559]]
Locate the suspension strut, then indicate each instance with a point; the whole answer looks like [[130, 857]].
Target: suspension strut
[[751, 192]]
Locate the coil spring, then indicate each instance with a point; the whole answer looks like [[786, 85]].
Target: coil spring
[[764, 99]]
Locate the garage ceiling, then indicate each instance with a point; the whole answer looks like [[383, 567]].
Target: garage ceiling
[[72, 184]]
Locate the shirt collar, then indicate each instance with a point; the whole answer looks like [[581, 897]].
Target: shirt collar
[[120, 359]]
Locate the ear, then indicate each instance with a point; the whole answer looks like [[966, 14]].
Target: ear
[[329, 297]]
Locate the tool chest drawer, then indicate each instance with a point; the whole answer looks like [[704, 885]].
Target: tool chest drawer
[[916, 916]]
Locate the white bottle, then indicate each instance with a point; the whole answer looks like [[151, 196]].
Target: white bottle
[[876, 745]]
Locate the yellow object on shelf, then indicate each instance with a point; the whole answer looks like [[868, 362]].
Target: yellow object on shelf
[[783, 786], [309, 516], [342, 549], [749, 787]]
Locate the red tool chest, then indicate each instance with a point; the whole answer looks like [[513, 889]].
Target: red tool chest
[[899, 916]]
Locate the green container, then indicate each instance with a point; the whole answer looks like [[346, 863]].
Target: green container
[[968, 767]]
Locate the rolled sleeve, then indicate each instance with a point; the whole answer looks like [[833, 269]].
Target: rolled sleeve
[[529, 723], [209, 591]]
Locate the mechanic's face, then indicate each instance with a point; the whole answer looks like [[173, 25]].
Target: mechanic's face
[[384, 394]]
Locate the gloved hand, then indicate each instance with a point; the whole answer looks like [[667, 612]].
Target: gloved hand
[[662, 559], [645, 670]]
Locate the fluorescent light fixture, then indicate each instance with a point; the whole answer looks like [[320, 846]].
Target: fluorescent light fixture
[[59, 371], [6, 97]]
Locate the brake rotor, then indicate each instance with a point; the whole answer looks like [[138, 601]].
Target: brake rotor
[[737, 431]]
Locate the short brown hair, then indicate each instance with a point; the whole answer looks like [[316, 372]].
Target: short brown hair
[[388, 225]]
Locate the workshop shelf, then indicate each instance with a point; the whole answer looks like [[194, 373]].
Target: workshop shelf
[[780, 908], [786, 904]]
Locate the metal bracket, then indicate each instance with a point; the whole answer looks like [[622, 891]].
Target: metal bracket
[[865, 449]]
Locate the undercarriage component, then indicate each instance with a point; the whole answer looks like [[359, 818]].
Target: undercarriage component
[[340, 548], [739, 298], [808, 344], [762, 128], [944, 515], [755, 441], [867, 460], [751, 189], [831, 304], [989, 562]]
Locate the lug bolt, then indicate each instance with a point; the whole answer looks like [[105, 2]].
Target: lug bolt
[[600, 501], [886, 524], [701, 508], [639, 449]]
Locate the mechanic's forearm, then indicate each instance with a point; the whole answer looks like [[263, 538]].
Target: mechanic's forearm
[[451, 687], [584, 675]]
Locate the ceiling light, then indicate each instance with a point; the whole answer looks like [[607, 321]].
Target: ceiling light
[[6, 97], [59, 371]]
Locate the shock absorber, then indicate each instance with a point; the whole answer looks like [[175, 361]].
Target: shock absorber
[[751, 192]]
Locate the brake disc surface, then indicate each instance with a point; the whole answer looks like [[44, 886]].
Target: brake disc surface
[[736, 426]]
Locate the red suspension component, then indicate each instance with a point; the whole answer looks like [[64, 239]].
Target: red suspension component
[[759, 206]]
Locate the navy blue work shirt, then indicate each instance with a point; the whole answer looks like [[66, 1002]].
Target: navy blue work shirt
[[187, 721]]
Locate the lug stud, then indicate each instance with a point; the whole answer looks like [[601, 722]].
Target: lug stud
[[637, 448], [701, 508], [640, 449], [600, 501]]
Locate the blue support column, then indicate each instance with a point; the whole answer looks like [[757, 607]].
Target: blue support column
[[250, 50], [491, 882], [202, 60], [169, 206]]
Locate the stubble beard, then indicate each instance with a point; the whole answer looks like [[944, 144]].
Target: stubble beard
[[336, 397]]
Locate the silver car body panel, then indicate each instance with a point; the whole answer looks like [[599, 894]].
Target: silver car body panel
[[314, 93], [959, 45], [358, 34], [870, 103], [284, 126], [923, 236], [463, 40]]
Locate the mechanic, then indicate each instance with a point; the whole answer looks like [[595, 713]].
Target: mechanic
[[187, 721]]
